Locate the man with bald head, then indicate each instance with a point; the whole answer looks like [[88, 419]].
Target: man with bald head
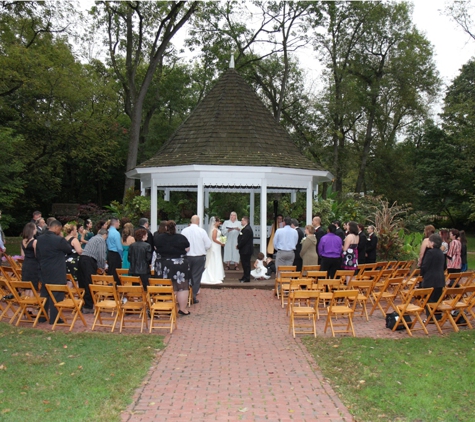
[[319, 232], [199, 245]]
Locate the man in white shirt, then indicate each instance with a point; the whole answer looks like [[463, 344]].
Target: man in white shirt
[[199, 245]]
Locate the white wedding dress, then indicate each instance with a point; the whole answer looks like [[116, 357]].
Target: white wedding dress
[[214, 272]]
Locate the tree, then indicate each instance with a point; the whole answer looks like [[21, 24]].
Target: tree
[[138, 40], [461, 12]]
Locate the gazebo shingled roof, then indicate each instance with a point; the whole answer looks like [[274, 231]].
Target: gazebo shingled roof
[[231, 126]]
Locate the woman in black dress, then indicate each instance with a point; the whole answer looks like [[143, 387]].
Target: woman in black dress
[[172, 248], [30, 270], [72, 258]]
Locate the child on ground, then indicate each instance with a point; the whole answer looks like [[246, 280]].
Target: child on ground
[[260, 271]]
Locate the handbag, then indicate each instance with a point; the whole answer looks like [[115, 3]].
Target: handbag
[[392, 318]]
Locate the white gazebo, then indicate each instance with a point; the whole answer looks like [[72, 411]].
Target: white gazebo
[[230, 143]]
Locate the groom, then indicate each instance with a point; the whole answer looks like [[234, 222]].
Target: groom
[[246, 248]]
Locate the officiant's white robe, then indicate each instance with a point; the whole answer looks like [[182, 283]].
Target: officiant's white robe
[[231, 254]]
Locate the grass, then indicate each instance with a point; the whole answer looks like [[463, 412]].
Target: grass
[[56, 376], [13, 245], [415, 379]]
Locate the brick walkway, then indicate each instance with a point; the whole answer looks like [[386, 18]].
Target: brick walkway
[[234, 360]]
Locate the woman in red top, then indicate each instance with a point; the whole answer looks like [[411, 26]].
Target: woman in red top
[[454, 255]]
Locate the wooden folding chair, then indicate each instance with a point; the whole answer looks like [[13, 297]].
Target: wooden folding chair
[[345, 276], [306, 268], [301, 314], [298, 284], [133, 302], [362, 268], [449, 302], [103, 280], [105, 300], [159, 282], [316, 275], [161, 302], [401, 272], [121, 271], [27, 297], [468, 312], [388, 294], [69, 303], [78, 291], [409, 264], [15, 268], [414, 306], [278, 277], [364, 288], [342, 305], [129, 280], [8, 303], [283, 281], [326, 287], [408, 286]]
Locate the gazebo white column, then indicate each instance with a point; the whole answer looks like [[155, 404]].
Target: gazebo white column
[[153, 206], [251, 209], [200, 201], [206, 222], [263, 216], [309, 202]]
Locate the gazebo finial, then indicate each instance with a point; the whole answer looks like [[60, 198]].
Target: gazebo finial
[[231, 62]]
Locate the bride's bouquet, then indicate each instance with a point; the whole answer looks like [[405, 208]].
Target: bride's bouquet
[[223, 239]]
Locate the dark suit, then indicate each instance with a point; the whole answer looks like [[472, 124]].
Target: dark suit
[[298, 259], [246, 248], [362, 248], [340, 233], [319, 233], [371, 246], [51, 251], [149, 240]]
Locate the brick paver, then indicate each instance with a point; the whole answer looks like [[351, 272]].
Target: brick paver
[[233, 359]]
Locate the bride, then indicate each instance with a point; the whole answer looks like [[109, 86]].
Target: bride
[[214, 272]]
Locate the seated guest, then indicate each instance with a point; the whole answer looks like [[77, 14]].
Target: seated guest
[[329, 250]]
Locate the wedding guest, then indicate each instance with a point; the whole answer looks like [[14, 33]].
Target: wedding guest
[[444, 234], [114, 249], [329, 249], [72, 257], [350, 248], [231, 229], [87, 233], [339, 231], [30, 269], [41, 227], [246, 248], [214, 272], [144, 224], [463, 241], [432, 268], [309, 244], [93, 258], [454, 255], [371, 246], [102, 224], [162, 228], [285, 242], [319, 232], [173, 248], [428, 230], [140, 255], [298, 259], [199, 245], [51, 249], [126, 240], [362, 244]]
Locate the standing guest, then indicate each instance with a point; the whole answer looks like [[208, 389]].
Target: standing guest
[[172, 248], [298, 259], [87, 233], [199, 245], [72, 257], [92, 259], [350, 248], [231, 229], [41, 227], [285, 242], [102, 224], [319, 232], [81, 235], [444, 234], [30, 269], [35, 220], [140, 255], [339, 231], [428, 230], [346, 228], [51, 249], [246, 248], [329, 249], [309, 243], [144, 224], [127, 240], [371, 246], [463, 241], [432, 268], [114, 249], [362, 244], [162, 228], [454, 255], [214, 272]]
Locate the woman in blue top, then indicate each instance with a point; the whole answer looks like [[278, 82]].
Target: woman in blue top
[[126, 240]]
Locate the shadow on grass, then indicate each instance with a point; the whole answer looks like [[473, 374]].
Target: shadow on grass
[[414, 379], [56, 376]]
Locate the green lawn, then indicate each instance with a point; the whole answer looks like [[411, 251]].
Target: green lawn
[[413, 379], [54, 376], [13, 245]]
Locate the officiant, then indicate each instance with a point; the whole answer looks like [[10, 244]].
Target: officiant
[[231, 229]]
